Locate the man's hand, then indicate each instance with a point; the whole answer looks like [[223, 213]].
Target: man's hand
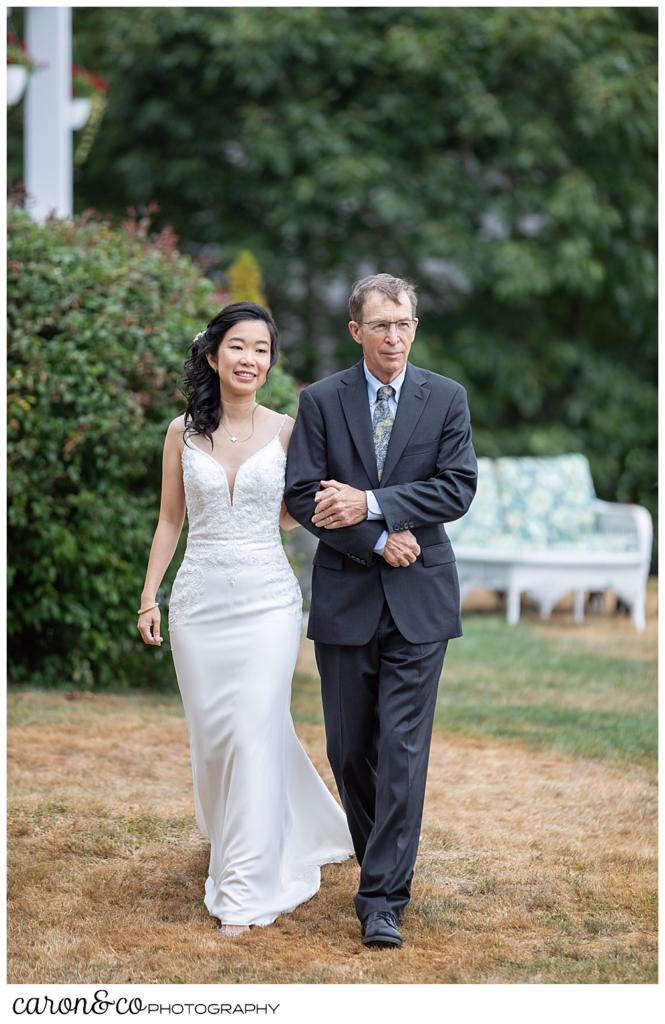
[[339, 505], [401, 549]]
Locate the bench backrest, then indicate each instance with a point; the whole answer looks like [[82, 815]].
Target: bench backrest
[[539, 499]]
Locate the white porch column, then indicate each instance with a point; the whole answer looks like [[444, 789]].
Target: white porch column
[[47, 131]]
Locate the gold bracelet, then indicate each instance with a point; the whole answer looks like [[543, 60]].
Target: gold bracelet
[[148, 609]]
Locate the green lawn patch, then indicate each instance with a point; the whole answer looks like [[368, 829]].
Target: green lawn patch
[[517, 683]]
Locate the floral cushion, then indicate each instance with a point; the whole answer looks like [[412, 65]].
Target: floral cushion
[[532, 503], [547, 500], [510, 544], [482, 523], [598, 542]]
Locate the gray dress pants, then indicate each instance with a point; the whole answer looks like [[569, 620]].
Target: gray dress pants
[[378, 702]]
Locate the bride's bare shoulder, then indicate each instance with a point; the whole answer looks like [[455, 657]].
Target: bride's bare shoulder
[[270, 418], [269, 414], [177, 425], [176, 430], [287, 430]]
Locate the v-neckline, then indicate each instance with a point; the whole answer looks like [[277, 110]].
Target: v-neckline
[[220, 465]]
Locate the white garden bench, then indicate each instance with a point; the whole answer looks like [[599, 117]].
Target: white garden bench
[[537, 528]]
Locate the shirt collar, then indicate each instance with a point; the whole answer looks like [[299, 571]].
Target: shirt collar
[[373, 384]]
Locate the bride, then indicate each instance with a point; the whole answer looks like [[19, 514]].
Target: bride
[[234, 622]]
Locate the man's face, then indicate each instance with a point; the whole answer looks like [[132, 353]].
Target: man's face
[[386, 332]]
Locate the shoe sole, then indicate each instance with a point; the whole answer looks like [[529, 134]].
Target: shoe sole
[[383, 942]]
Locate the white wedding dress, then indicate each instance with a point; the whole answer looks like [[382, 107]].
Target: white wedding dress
[[234, 622]]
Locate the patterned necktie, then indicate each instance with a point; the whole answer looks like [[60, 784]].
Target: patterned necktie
[[382, 425]]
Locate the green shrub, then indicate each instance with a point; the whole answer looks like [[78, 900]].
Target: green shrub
[[99, 323]]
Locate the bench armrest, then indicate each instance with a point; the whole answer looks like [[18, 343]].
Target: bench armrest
[[621, 517]]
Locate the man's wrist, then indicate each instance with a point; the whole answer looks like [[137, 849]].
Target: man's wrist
[[381, 543], [373, 507]]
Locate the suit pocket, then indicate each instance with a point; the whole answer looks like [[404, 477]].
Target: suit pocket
[[328, 558], [420, 449], [437, 554]]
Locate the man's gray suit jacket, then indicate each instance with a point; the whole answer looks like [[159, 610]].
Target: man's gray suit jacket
[[429, 479]]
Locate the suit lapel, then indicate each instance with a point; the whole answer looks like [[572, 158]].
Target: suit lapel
[[412, 401], [355, 406]]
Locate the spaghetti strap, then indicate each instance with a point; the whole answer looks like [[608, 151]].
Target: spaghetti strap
[[284, 419]]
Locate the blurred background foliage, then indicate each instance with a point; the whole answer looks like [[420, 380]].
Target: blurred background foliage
[[504, 159]]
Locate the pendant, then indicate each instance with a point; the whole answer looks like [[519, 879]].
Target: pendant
[[234, 439]]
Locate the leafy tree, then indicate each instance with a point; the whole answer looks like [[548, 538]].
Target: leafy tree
[[502, 158], [514, 145]]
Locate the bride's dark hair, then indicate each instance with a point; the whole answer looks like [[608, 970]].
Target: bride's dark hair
[[204, 405]]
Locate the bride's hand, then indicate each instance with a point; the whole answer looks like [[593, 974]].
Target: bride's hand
[[148, 627]]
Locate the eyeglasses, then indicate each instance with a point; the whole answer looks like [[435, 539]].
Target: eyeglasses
[[382, 327]]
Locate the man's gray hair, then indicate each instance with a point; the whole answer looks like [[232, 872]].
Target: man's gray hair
[[393, 287]]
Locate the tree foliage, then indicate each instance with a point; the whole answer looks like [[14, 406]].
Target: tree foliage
[[100, 320], [503, 158], [515, 146], [245, 281]]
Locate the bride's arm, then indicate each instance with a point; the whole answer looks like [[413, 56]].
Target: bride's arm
[[167, 531], [286, 521]]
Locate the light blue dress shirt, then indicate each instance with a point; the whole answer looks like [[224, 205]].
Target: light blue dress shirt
[[373, 385]]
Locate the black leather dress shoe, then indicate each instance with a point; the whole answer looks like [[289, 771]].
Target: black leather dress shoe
[[381, 929]]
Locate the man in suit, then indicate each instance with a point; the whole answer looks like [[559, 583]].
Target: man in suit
[[380, 458]]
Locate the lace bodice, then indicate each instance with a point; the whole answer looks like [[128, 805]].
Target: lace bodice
[[251, 512], [233, 532]]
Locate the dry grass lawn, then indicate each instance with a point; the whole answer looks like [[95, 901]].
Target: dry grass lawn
[[533, 867]]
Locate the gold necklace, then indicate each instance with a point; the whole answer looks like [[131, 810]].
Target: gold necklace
[[233, 437]]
